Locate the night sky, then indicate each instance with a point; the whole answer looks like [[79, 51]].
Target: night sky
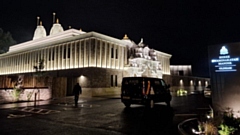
[[183, 28]]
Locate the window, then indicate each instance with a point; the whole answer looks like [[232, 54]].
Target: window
[[68, 52], [133, 82], [112, 80], [40, 56], [116, 53], [163, 83], [112, 55], [157, 82], [64, 52], [180, 73], [115, 80], [36, 60], [27, 58], [53, 55], [49, 56], [17, 62]]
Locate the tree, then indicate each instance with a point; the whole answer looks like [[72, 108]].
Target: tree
[[6, 40]]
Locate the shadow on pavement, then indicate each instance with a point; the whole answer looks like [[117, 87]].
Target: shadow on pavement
[[140, 120]]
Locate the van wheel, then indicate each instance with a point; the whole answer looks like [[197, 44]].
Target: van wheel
[[127, 105]]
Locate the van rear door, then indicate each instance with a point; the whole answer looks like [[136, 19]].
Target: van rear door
[[132, 88]]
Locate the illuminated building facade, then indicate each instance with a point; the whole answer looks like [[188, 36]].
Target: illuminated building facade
[[98, 62], [182, 70]]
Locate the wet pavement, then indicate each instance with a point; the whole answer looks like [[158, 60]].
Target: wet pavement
[[103, 116]]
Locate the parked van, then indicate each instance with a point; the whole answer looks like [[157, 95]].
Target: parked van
[[144, 90]]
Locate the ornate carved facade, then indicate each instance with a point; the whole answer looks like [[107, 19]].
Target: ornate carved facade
[[143, 61]]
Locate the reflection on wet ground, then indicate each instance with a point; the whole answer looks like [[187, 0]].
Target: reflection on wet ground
[[108, 114]]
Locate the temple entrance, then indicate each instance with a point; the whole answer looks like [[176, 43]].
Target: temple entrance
[[70, 84], [59, 87]]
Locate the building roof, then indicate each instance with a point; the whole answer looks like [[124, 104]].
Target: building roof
[[45, 41], [62, 37]]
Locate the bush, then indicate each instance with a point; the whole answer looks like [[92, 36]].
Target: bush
[[16, 93], [181, 92], [224, 124]]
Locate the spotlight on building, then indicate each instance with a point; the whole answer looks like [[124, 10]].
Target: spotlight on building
[[181, 82], [191, 82], [206, 83], [81, 78]]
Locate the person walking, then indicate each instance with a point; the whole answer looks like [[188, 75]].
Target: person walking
[[76, 91]]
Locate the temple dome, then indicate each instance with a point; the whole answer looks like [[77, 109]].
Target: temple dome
[[40, 32], [125, 38], [56, 28]]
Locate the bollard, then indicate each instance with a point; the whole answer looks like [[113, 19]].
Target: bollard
[[151, 103]]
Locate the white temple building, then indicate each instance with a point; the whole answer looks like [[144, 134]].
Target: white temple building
[[50, 65], [98, 62], [73, 48]]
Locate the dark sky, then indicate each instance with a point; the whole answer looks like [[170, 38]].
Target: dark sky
[[183, 28]]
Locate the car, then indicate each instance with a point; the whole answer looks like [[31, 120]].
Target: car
[[144, 91]]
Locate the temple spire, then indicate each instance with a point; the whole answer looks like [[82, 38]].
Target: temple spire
[[38, 20], [54, 14], [125, 36]]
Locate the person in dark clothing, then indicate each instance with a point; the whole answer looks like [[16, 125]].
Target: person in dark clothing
[[76, 91]]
